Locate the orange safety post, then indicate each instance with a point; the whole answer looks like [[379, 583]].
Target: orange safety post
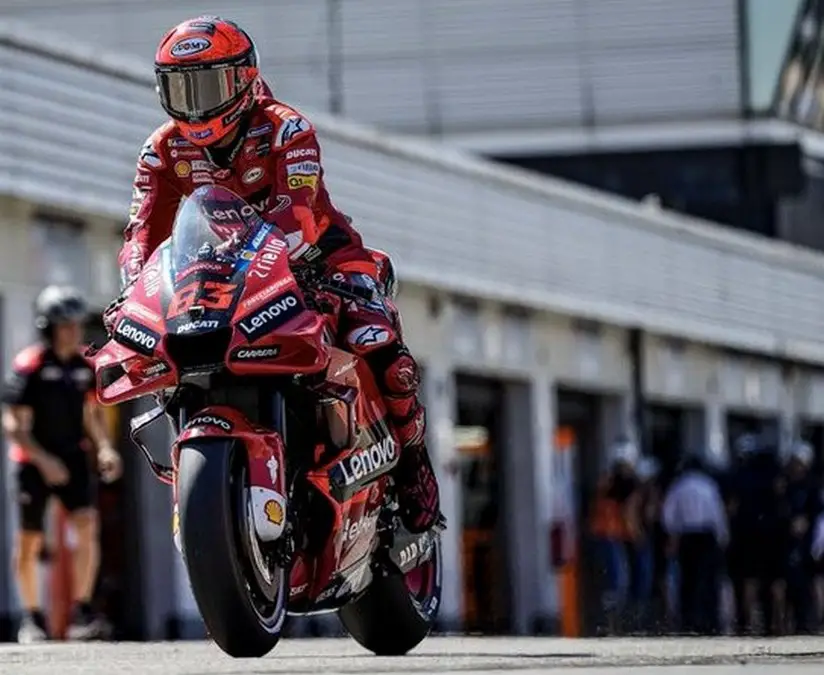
[[60, 596], [565, 534]]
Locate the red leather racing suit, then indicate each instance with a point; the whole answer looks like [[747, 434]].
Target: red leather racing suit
[[277, 170]]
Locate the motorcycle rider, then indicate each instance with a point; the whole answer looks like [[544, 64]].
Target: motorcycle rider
[[227, 129], [49, 415]]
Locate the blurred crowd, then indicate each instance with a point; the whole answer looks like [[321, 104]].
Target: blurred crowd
[[705, 550]]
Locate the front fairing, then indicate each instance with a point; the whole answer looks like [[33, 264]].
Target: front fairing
[[219, 294]]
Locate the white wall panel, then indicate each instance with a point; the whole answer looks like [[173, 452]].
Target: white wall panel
[[750, 383], [598, 361], [810, 398], [450, 66], [677, 371]]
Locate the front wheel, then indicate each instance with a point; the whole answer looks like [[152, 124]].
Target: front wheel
[[396, 611], [240, 593]]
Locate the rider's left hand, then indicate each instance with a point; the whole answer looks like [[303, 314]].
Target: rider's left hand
[[109, 464]]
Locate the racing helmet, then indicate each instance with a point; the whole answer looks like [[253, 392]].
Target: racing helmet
[[58, 304], [206, 69]]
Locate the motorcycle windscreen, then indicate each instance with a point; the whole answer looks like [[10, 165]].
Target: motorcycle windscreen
[[214, 236]]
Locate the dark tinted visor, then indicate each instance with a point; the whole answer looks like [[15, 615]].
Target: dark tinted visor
[[196, 94]]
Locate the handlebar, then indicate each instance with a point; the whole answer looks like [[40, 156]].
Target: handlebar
[[349, 291]]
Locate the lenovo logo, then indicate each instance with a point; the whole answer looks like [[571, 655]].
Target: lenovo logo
[[270, 316], [209, 421], [138, 337], [239, 215], [371, 460], [364, 525]]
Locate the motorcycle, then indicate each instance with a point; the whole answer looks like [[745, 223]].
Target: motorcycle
[[281, 466]]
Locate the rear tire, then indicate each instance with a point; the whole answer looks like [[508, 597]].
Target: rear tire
[[214, 536], [388, 619]]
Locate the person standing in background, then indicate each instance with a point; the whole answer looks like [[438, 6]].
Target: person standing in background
[[614, 524], [49, 413], [647, 501], [801, 506], [695, 519], [756, 560]]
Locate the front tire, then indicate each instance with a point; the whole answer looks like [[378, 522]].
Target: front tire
[[243, 607], [395, 614]]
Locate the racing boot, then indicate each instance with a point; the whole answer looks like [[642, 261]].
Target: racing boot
[[417, 485]]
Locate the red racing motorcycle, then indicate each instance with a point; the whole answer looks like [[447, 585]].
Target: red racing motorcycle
[[281, 467]]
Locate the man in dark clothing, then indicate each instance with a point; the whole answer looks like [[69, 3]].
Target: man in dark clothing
[[800, 506], [49, 414], [755, 562]]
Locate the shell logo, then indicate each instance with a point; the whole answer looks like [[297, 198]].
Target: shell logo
[[274, 512]]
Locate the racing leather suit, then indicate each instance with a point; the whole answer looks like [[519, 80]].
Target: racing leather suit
[[277, 170]]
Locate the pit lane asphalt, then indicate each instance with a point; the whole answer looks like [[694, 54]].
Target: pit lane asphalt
[[465, 655]]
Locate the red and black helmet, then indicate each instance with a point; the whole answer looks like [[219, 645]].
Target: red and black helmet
[[205, 69]]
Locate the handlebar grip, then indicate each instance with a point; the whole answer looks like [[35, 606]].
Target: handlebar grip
[[347, 290]]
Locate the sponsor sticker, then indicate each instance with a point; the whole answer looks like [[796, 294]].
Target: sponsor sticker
[[369, 461], [186, 153], [201, 177], [297, 590], [183, 169], [202, 324], [298, 182], [266, 293], [210, 421], [368, 336], [149, 157], [306, 168], [151, 279], [252, 175], [239, 215], [201, 165], [140, 311], [233, 116], [260, 131], [137, 336], [200, 135], [274, 512], [272, 465], [256, 353], [291, 128], [283, 203], [364, 525], [270, 316], [155, 369], [267, 258], [297, 153], [190, 47], [141, 179]]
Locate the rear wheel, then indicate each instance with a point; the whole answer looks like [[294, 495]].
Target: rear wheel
[[240, 592], [396, 612]]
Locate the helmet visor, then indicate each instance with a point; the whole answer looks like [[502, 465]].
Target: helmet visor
[[195, 95]]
